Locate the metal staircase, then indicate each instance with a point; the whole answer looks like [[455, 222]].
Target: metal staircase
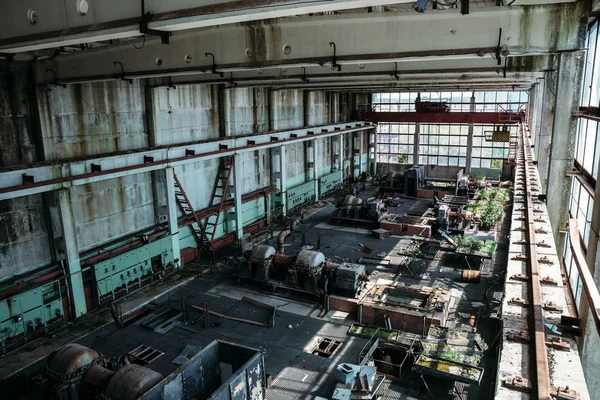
[[513, 144], [183, 202], [510, 118], [219, 195]]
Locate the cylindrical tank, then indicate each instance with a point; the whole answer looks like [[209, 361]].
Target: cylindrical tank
[[262, 253], [131, 381], [70, 359], [310, 259], [469, 275], [98, 376]]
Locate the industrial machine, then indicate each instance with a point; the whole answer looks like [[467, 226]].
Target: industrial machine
[[414, 178], [431, 106], [451, 214], [28, 315], [76, 372], [309, 272], [354, 211], [356, 382], [392, 183]]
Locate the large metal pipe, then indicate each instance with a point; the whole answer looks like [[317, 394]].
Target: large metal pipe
[[293, 224], [282, 259], [281, 240]]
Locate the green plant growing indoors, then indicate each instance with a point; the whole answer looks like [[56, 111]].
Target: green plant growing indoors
[[469, 243], [497, 195], [402, 159], [490, 212]]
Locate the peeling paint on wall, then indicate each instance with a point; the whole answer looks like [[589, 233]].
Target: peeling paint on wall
[[94, 118], [24, 241], [185, 114]]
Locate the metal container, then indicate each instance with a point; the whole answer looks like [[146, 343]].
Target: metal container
[[130, 382], [262, 253], [69, 360], [469, 275], [98, 376], [310, 259]]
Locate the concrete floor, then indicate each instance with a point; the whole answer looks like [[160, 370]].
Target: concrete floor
[[297, 374]]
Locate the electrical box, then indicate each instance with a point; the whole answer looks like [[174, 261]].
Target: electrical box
[[30, 311], [330, 182], [163, 215], [300, 194], [129, 270]]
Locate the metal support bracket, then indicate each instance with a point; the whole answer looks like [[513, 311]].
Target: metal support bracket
[[145, 19], [122, 72], [518, 336], [304, 78], [214, 64], [334, 61], [518, 383], [231, 82], [498, 48], [395, 73]]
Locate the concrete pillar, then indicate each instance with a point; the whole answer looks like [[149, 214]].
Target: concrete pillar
[[280, 175], [531, 113], [373, 144], [535, 111], [71, 249], [564, 133], [238, 176], [543, 147], [416, 150], [469, 160], [341, 154], [361, 151], [315, 148], [172, 215]]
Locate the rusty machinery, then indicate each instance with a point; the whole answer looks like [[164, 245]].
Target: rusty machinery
[[309, 272], [75, 372], [431, 106], [354, 211]]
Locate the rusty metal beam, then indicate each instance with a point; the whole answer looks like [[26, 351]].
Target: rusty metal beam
[[449, 117], [589, 285], [36, 178], [542, 369]]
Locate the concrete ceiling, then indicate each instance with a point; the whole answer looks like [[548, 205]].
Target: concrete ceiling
[[387, 50]]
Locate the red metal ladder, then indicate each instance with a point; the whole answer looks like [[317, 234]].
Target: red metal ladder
[[219, 194], [185, 206]]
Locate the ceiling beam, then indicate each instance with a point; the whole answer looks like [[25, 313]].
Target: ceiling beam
[[358, 39]]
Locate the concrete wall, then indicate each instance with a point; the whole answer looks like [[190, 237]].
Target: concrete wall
[[92, 118], [113, 208], [185, 114], [287, 109], [24, 240], [100, 118], [246, 110], [317, 107]]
